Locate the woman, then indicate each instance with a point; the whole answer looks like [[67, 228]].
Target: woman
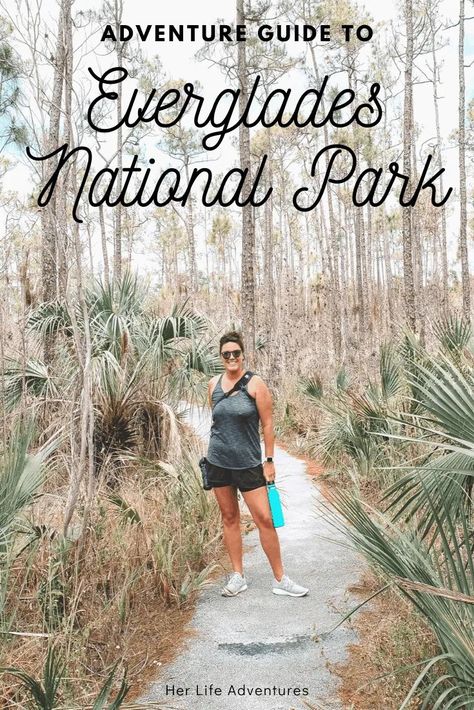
[[234, 458]]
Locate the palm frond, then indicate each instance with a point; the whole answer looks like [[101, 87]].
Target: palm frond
[[412, 355], [50, 318], [201, 358], [391, 373], [113, 310], [403, 557], [347, 435], [103, 697], [21, 476], [34, 379], [260, 342], [312, 387], [182, 325], [200, 324], [371, 410], [124, 297], [447, 479], [44, 695], [446, 394], [453, 333]]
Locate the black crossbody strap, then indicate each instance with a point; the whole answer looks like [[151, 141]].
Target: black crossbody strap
[[239, 385]]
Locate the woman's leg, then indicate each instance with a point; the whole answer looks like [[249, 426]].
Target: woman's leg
[[229, 506], [257, 502]]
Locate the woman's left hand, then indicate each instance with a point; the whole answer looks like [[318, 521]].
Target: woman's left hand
[[269, 471]]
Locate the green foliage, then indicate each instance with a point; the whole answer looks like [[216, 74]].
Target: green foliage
[[142, 366], [120, 327], [347, 435], [103, 697], [438, 581], [444, 479], [411, 354], [54, 591], [445, 422], [45, 694], [127, 513], [453, 333], [21, 477], [423, 403], [392, 381], [312, 387], [352, 425], [50, 318], [34, 379]]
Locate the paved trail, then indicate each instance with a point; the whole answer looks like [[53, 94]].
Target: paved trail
[[259, 640]]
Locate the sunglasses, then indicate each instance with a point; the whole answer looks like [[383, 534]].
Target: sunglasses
[[236, 353]]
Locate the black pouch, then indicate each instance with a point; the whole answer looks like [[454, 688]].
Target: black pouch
[[204, 472]]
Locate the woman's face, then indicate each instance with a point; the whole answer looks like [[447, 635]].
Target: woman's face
[[232, 357]]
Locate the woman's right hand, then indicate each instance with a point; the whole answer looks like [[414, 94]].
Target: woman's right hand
[[269, 472]]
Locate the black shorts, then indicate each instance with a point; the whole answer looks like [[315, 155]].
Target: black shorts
[[245, 479]]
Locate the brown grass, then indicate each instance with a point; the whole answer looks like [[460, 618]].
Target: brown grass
[[120, 603]]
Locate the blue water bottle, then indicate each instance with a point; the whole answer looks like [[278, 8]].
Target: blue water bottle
[[275, 505]]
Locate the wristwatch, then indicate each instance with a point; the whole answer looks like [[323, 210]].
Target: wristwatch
[[269, 459]]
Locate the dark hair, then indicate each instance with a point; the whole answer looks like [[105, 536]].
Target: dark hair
[[231, 337]]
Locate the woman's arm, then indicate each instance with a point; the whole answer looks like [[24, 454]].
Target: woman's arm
[[210, 389], [263, 400]]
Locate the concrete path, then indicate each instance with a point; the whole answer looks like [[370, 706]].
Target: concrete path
[[258, 650]]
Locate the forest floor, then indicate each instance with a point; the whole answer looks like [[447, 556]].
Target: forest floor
[[259, 640]]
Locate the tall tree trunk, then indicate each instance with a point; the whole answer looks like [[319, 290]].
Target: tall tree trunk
[[82, 464], [103, 241], [417, 244], [49, 220], [268, 285], [62, 221], [388, 272], [206, 252], [191, 236], [466, 292], [444, 241], [408, 271], [118, 208], [335, 288], [248, 226], [360, 242]]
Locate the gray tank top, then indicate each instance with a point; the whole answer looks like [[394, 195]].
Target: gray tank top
[[234, 441]]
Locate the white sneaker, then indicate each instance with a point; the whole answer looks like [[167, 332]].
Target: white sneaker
[[289, 588], [234, 586]]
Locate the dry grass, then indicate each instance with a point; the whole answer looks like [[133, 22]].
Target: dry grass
[[123, 592], [391, 635]]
